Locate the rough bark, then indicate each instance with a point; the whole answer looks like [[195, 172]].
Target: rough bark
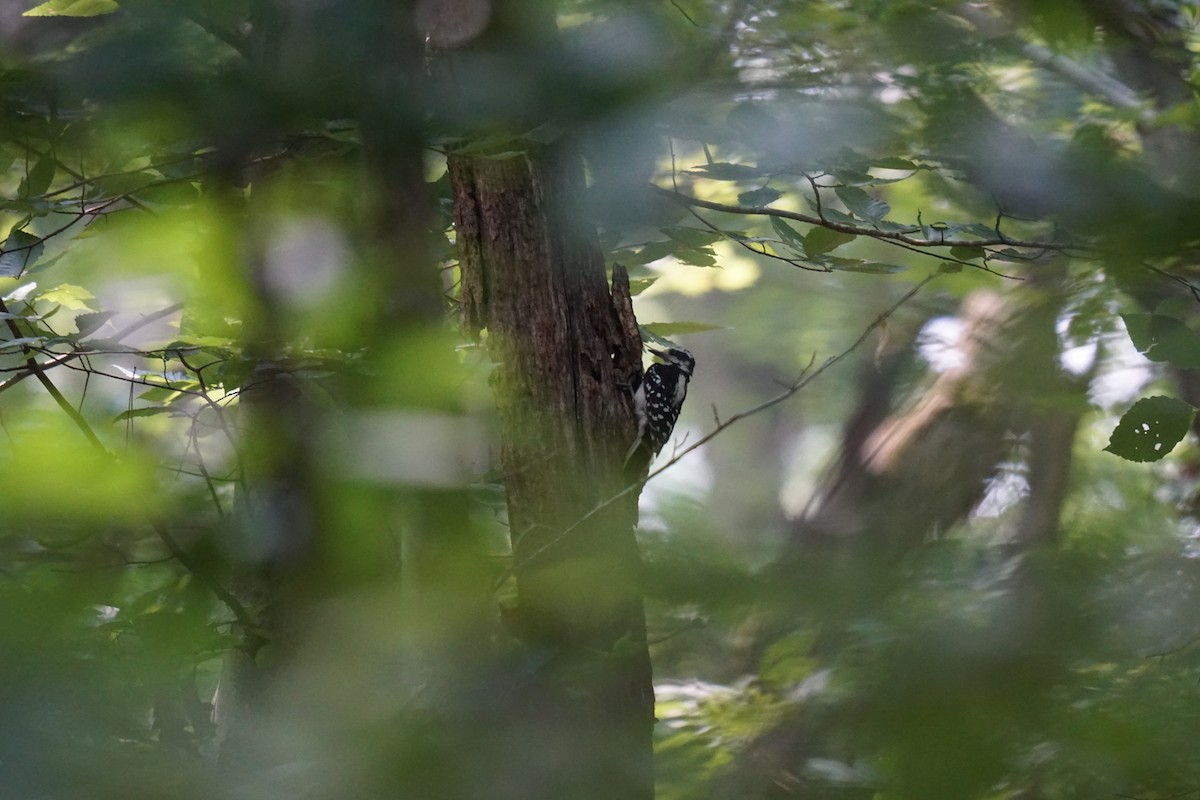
[[563, 348]]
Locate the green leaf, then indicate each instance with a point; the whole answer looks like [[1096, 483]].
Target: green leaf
[[949, 268], [639, 285], [756, 198], [725, 171], [963, 253], [145, 412], [663, 329], [862, 204], [788, 234], [73, 8], [1151, 428], [821, 240], [855, 265], [20, 251], [854, 177], [696, 258], [39, 177], [1163, 338], [651, 252], [692, 237], [69, 296], [893, 162], [22, 342]]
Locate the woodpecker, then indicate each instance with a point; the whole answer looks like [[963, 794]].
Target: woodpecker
[[657, 397]]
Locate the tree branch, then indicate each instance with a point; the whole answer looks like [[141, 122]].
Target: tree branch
[[903, 236]]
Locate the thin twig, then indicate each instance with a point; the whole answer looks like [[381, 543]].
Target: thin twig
[[807, 376]]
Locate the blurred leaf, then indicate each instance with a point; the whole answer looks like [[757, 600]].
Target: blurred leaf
[[151, 411], [871, 267], [692, 237], [725, 171], [696, 258], [21, 342], [819, 241], [648, 254], [87, 324], [788, 234], [73, 8], [664, 329], [862, 204], [1163, 338], [1151, 428], [19, 252], [967, 253], [894, 162], [69, 296], [39, 177], [757, 198], [639, 285]]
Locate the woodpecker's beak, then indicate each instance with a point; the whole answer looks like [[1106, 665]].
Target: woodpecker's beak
[[658, 353]]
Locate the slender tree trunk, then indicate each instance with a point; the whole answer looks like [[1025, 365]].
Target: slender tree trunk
[[537, 284]]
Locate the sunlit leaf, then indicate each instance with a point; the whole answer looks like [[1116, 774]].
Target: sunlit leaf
[[73, 8], [821, 240], [69, 296], [1151, 428], [696, 258], [676, 328]]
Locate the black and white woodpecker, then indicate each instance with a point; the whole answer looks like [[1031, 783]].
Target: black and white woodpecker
[[657, 397]]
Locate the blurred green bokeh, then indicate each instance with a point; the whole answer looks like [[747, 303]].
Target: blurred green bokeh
[[253, 536]]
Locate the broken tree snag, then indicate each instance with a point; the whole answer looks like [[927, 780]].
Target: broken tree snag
[[534, 278]]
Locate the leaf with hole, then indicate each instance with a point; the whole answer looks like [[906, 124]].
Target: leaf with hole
[[1151, 428]]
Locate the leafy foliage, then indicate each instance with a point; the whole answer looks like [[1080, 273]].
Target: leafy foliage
[[211, 372]]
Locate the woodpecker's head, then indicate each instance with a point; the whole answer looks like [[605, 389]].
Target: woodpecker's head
[[677, 356]]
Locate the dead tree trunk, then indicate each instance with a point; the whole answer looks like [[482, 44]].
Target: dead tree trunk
[[535, 281]]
